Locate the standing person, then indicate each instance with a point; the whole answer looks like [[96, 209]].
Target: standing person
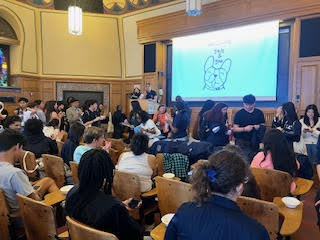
[[214, 128], [50, 111], [74, 113], [215, 214], [248, 123], [180, 123], [206, 107], [289, 124], [149, 93], [23, 104], [91, 115], [133, 121], [31, 113], [40, 111], [186, 106], [310, 126], [91, 201], [160, 119], [136, 93], [118, 118]]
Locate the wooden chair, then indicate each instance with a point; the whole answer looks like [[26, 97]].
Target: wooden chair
[[4, 217], [81, 231], [127, 185], [171, 194], [59, 144], [30, 163], [117, 144], [159, 158], [303, 186], [114, 154], [272, 183], [54, 168], [74, 169], [264, 212], [64, 138], [38, 219]]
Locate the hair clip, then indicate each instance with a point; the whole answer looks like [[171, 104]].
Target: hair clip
[[211, 174]]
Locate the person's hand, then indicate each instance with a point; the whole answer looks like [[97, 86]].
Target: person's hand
[[279, 111], [96, 119], [107, 146], [2, 116], [102, 117], [248, 128], [144, 130], [126, 203], [256, 127], [80, 112]]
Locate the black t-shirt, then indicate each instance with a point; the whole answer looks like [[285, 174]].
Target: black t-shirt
[[244, 118], [151, 94], [88, 116]]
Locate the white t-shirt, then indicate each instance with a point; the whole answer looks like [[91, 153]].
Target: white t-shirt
[[137, 164]]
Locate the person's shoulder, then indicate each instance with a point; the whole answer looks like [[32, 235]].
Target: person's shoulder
[[240, 111], [255, 228], [258, 111]]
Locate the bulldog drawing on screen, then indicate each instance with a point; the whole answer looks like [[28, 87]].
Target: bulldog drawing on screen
[[216, 73]]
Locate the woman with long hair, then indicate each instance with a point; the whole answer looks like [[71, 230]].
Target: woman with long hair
[[214, 213], [50, 110], [160, 117], [91, 202], [289, 124], [214, 126], [206, 107], [277, 154], [310, 131]]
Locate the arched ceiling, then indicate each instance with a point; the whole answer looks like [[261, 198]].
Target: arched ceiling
[[97, 6]]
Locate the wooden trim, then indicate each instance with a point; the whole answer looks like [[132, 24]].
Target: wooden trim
[[222, 14], [9, 41]]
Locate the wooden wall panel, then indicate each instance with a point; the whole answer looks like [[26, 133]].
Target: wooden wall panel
[[222, 14]]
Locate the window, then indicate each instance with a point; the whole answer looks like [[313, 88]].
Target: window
[[4, 65]]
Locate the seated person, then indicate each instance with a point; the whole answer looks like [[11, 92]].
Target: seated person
[[214, 214], [206, 107], [93, 139], [13, 180], [277, 154], [92, 203], [214, 126], [30, 113], [13, 122], [37, 142], [160, 119], [40, 112], [148, 127], [75, 135], [52, 130], [3, 114], [180, 123], [289, 124], [139, 162]]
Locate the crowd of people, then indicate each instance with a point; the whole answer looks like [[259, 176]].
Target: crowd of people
[[291, 145]]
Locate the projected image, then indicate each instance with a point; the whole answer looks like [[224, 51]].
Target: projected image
[[227, 64]]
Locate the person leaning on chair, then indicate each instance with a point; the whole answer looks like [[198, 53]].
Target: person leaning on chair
[[13, 180]]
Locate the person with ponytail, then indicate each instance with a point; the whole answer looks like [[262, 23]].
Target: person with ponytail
[[91, 202], [214, 213]]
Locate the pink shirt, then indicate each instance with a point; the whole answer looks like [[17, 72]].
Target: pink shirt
[[258, 162]]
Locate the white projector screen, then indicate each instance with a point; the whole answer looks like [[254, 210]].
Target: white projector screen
[[225, 65]]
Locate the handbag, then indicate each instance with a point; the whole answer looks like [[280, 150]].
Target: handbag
[[110, 128]]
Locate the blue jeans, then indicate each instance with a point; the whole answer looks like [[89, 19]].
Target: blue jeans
[[312, 153]]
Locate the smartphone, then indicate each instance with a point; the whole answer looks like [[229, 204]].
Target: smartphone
[[134, 203]]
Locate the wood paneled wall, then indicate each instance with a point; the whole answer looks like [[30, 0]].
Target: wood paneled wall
[[35, 87]]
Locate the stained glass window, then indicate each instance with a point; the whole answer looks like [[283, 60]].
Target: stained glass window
[[4, 65]]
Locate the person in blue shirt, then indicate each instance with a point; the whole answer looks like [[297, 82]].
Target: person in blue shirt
[[214, 214], [180, 123]]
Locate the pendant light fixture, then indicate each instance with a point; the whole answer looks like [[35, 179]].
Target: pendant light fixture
[[75, 19], [193, 7]]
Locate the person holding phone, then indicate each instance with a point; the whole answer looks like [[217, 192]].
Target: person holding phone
[[91, 202]]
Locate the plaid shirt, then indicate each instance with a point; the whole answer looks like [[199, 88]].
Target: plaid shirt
[[176, 163]]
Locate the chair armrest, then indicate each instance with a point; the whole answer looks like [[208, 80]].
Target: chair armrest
[[292, 217], [303, 186], [64, 235], [151, 193]]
